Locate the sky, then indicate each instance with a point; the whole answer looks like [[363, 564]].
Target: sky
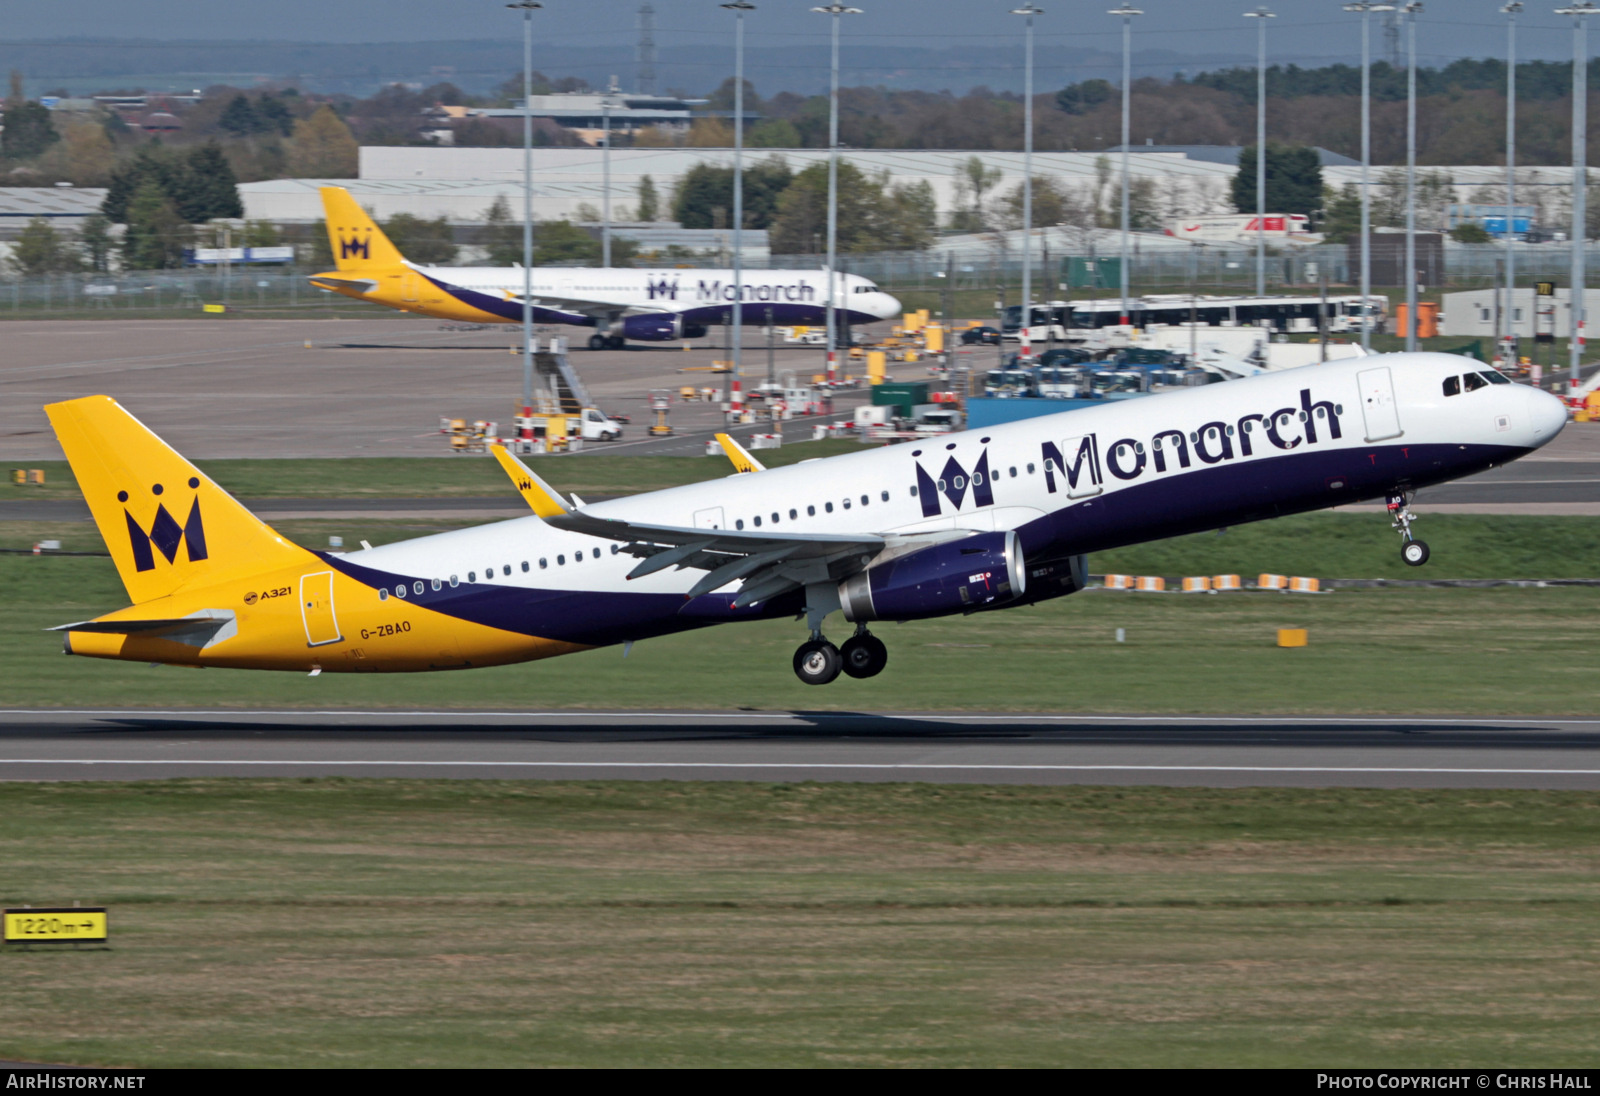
[[1312, 31]]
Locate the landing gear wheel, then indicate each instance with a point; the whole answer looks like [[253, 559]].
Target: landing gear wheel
[[864, 655], [597, 342], [817, 662], [1414, 552], [616, 342]]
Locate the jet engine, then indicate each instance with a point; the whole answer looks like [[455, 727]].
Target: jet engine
[[660, 327], [955, 577], [652, 327]]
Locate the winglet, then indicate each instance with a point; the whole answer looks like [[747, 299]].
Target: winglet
[[742, 461], [539, 495]]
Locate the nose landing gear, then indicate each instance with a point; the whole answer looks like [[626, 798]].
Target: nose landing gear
[[1414, 552]]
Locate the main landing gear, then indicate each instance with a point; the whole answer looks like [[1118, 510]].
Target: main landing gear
[[607, 342], [818, 662], [1414, 552]]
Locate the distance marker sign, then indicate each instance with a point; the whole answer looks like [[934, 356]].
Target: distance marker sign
[[52, 926]]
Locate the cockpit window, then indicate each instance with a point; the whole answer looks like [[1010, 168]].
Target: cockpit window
[[1475, 382], [1452, 386], [1494, 376]]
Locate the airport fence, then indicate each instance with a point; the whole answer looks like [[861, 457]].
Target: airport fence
[[1166, 269], [167, 291], [1212, 268]]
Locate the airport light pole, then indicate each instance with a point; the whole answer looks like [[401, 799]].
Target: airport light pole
[[1365, 8], [1127, 11], [738, 7], [1580, 172], [1509, 353], [1028, 12], [605, 175], [1411, 10], [527, 7], [835, 10], [1261, 15]]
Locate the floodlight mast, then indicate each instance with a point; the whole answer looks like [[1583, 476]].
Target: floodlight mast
[[1410, 11], [1510, 10], [527, 7], [835, 10], [1365, 8], [1580, 175], [1023, 343], [738, 7], [1261, 15], [1127, 11]]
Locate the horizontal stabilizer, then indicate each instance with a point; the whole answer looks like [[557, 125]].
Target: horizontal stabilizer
[[359, 285], [196, 630]]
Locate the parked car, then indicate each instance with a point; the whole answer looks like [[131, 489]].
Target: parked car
[[988, 336]]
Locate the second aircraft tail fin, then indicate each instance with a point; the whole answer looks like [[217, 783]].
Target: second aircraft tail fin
[[357, 241]]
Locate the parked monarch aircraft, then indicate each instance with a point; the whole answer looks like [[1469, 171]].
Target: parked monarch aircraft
[[964, 522], [644, 304]]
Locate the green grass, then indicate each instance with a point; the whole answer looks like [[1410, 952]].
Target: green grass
[[1481, 651], [484, 923], [442, 476]]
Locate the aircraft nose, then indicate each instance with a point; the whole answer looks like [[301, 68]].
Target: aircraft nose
[[1546, 414], [887, 306]]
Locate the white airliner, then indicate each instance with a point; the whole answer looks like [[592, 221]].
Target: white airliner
[[965, 522], [646, 304]]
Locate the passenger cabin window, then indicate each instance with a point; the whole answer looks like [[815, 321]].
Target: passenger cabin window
[[828, 506], [1452, 386], [1474, 382]]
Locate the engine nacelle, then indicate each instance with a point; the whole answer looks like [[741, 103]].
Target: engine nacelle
[[956, 577], [653, 327]]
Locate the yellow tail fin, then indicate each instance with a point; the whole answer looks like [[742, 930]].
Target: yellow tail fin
[[742, 461], [357, 242], [166, 524]]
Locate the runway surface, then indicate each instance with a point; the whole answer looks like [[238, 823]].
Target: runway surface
[[1224, 751]]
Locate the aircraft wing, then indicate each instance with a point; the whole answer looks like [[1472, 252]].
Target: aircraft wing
[[769, 563]]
